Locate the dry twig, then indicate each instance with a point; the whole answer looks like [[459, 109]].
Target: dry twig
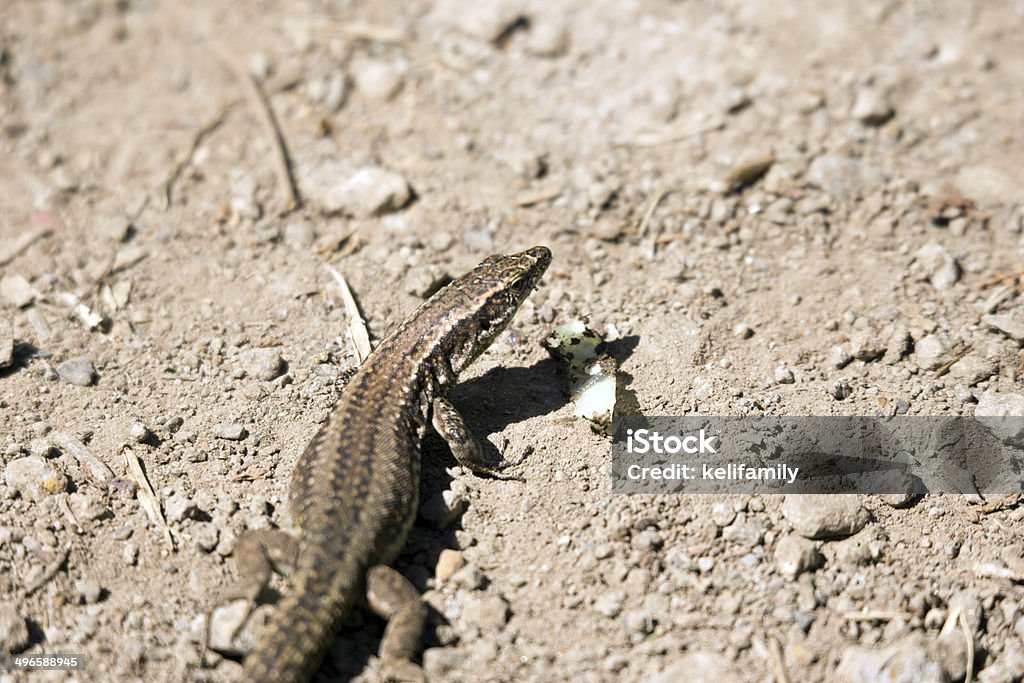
[[356, 325], [185, 157], [147, 497]]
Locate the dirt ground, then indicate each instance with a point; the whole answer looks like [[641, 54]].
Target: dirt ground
[[769, 208]]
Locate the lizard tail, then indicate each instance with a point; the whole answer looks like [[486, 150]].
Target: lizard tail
[[293, 644]]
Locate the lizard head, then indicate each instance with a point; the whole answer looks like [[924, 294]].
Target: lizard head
[[493, 292]]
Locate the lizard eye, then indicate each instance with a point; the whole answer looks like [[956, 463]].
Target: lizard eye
[[519, 286]]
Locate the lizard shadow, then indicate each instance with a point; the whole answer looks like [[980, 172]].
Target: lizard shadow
[[500, 397]]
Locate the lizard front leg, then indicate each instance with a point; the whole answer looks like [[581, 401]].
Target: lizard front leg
[[467, 451]]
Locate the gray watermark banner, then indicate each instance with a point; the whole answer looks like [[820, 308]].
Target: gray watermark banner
[[829, 454]]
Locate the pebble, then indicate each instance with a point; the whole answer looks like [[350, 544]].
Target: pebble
[[378, 80], [647, 540], [14, 636], [610, 604], [6, 344], [88, 590], [488, 613], [263, 364], [77, 371], [485, 21], [841, 177], [139, 432], [448, 562], [232, 431], [783, 375], [548, 38], [705, 666], [88, 507], [911, 659], [747, 171], [974, 368], [931, 351], [867, 346], [179, 507], [42, 448], [742, 331], [825, 516], [299, 234], [17, 291], [442, 509], [440, 662], [995, 404], [638, 622], [940, 268], [839, 389], [1011, 326], [34, 478], [206, 537], [871, 108], [368, 192], [839, 357], [795, 555], [225, 622], [987, 185], [722, 514], [746, 533], [469, 577]]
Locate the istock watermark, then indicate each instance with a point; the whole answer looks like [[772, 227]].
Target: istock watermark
[[902, 454]]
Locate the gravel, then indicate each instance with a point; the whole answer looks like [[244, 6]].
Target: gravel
[[77, 371]]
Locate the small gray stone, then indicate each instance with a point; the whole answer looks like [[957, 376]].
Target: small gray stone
[[783, 375], [906, 661], [368, 192], [1011, 326], [178, 508], [610, 604], [139, 432], [742, 331], [206, 536], [14, 636], [34, 478], [867, 346], [469, 577], [931, 351], [263, 364], [299, 234], [747, 533], [841, 177], [440, 662], [974, 368], [839, 389], [485, 21], [795, 555], [88, 590], [226, 629], [548, 39], [995, 404], [825, 516], [378, 80], [638, 622], [42, 447], [489, 613], [17, 291], [839, 357], [77, 371], [232, 431], [941, 269], [442, 509], [871, 107], [705, 666]]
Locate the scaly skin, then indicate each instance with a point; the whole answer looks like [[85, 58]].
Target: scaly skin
[[355, 490]]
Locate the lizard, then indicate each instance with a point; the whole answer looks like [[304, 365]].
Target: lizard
[[354, 491]]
